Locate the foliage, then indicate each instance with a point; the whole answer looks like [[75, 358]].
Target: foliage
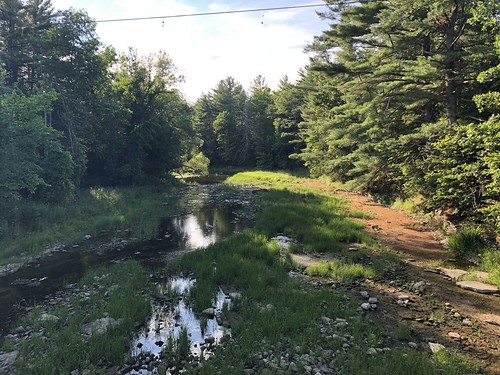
[[466, 242], [32, 226], [33, 161]]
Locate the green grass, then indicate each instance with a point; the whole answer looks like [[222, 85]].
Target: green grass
[[30, 227], [117, 292], [280, 314], [490, 262], [466, 243], [340, 271]]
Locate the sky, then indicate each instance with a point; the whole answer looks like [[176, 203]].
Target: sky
[[207, 49]]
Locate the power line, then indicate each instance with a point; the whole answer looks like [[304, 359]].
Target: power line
[[213, 13]]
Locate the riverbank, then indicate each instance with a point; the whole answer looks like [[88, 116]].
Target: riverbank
[[311, 292]]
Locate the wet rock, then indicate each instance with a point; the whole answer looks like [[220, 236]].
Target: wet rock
[[9, 269], [478, 287], [210, 312], [435, 347]]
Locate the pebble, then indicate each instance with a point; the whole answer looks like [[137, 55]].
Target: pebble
[[372, 300], [413, 345], [366, 306], [364, 294]]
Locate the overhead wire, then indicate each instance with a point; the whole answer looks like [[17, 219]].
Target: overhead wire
[[214, 13]]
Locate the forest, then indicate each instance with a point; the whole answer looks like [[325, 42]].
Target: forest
[[401, 100]]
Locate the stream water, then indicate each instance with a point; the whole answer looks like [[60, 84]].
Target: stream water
[[205, 213]]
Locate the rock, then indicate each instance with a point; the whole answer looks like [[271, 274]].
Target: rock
[[371, 351], [435, 347], [75, 372], [372, 300], [467, 322], [453, 273], [209, 340], [454, 335], [366, 306], [482, 276], [48, 318], [478, 287], [419, 287], [413, 345], [210, 312], [99, 326], [7, 361], [9, 269], [293, 367], [325, 320], [404, 297], [18, 330], [364, 294]]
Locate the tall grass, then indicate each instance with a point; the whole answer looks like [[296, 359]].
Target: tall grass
[[466, 242], [29, 227]]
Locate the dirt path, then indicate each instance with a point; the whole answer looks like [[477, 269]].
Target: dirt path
[[466, 321]]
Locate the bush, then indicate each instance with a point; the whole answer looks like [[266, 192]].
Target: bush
[[466, 242]]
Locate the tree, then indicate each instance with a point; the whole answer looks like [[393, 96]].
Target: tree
[[288, 100], [33, 161], [261, 116]]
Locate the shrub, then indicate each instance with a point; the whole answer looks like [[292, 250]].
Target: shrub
[[466, 242]]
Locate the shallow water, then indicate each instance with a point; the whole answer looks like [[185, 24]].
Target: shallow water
[[206, 213], [169, 319]]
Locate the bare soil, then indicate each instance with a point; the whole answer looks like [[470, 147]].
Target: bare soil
[[464, 320]]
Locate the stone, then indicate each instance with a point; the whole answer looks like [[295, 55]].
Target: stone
[[7, 360], [48, 318], [366, 306], [87, 237], [454, 335], [293, 367], [75, 372], [482, 276], [435, 347], [371, 351], [478, 287], [419, 287], [99, 326], [413, 345], [453, 274], [210, 312], [364, 294], [372, 300], [467, 322], [325, 320], [404, 297]]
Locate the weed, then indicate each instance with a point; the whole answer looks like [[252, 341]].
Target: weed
[[466, 242]]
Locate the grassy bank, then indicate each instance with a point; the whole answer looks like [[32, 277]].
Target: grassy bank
[[92, 330], [286, 325], [30, 227]]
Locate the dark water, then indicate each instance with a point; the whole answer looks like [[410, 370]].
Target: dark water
[[206, 213]]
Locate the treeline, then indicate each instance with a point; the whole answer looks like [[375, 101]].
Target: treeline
[[75, 113], [400, 99], [404, 100]]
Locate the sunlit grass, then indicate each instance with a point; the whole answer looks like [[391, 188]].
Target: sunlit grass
[[339, 271], [30, 227]]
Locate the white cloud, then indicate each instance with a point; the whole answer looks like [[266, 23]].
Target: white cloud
[[207, 49]]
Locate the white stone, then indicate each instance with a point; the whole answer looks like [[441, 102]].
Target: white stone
[[372, 300], [435, 347], [366, 306]]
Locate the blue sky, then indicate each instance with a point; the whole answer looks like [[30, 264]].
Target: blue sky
[[209, 48]]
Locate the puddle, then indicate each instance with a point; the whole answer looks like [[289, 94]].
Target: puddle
[[171, 316]]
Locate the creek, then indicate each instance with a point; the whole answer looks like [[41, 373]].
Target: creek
[[205, 213]]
